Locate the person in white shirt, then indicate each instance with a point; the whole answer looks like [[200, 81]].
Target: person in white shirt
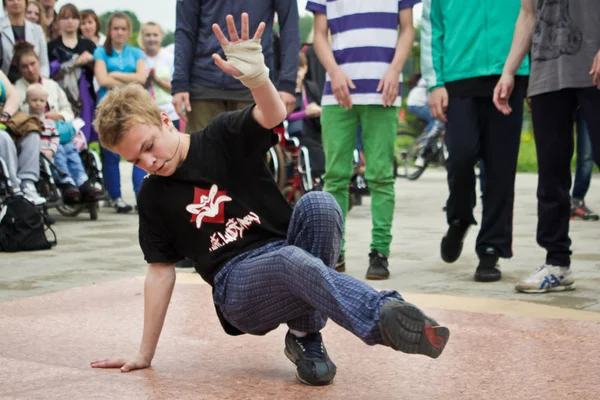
[[160, 65], [418, 104]]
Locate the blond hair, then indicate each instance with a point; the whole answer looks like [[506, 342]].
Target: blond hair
[[35, 88], [121, 109], [140, 38]]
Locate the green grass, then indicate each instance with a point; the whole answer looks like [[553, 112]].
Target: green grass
[[527, 157]]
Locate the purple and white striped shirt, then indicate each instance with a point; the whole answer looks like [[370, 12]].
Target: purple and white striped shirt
[[364, 34]]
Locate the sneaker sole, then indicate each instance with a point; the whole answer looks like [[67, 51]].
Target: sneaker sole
[[341, 268], [403, 328], [445, 256], [293, 360], [376, 277], [559, 288]]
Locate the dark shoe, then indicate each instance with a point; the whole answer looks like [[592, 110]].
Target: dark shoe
[[313, 366], [340, 265], [579, 210], [70, 193], [405, 328], [378, 266], [452, 242], [185, 263], [89, 191], [488, 271]]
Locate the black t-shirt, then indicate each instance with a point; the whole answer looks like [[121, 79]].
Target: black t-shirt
[[13, 72], [221, 202], [58, 51]]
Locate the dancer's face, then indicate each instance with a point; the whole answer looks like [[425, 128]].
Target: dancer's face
[[156, 150]]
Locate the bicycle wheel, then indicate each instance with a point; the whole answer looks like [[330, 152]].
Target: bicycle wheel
[[410, 165]]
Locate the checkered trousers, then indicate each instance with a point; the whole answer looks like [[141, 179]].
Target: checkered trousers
[[294, 281]]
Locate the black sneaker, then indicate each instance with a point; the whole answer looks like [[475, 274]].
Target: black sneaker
[[487, 270], [310, 356], [340, 265], [378, 266], [407, 329], [452, 242]]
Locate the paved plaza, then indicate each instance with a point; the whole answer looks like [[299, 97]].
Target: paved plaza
[[83, 300]]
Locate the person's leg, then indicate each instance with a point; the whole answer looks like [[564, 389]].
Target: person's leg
[[203, 111], [75, 166], [28, 167], [112, 175], [589, 100], [29, 158], [339, 127], [233, 105], [424, 114], [60, 160], [499, 151], [177, 124], [463, 131], [585, 162], [137, 176], [552, 116], [379, 135], [8, 152], [316, 227]]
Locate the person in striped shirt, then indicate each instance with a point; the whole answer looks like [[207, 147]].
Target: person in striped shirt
[[364, 68]]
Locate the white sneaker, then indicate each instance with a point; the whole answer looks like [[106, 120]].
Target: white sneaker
[[31, 194], [121, 206], [548, 278]]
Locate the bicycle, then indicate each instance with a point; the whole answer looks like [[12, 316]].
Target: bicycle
[[415, 153]]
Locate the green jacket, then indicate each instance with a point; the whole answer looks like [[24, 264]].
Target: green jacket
[[463, 39]]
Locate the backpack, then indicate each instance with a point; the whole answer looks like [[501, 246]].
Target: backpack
[[22, 226]]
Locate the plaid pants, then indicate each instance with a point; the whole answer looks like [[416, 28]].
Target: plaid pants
[[294, 281]]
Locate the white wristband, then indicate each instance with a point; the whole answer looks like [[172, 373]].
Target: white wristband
[[247, 57]]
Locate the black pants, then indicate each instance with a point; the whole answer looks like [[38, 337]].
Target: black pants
[[552, 115], [475, 131]]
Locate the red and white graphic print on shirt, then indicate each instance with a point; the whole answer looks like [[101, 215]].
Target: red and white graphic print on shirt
[[208, 206]]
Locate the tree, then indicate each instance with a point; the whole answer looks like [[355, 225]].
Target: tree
[[168, 38]]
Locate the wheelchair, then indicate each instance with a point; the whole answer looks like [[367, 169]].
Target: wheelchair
[[48, 187]]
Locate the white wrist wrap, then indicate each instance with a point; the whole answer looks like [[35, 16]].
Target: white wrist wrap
[[248, 58]]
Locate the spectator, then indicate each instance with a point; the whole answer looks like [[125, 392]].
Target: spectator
[[35, 14], [417, 103], [564, 41], [117, 64], [583, 171], [461, 83], [159, 63], [36, 98], [199, 85], [51, 19], [90, 27], [23, 161], [15, 28], [368, 33], [75, 185], [72, 66]]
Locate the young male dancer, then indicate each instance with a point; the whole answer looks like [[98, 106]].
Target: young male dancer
[[211, 198]]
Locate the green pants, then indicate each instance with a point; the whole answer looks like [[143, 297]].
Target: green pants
[[379, 126]]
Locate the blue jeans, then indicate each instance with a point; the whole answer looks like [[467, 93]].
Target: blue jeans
[[68, 161], [294, 281], [585, 161], [424, 114]]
